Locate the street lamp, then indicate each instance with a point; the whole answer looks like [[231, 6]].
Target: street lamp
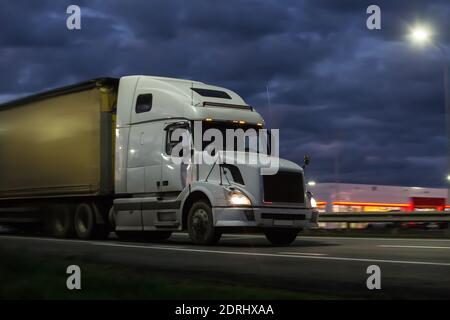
[[421, 35]]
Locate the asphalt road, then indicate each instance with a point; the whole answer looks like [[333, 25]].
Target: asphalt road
[[410, 268]]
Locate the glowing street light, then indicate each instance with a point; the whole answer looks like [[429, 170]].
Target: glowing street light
[[420, 35], [311, 183]]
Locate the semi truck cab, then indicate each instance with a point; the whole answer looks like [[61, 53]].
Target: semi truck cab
[[157, 196]]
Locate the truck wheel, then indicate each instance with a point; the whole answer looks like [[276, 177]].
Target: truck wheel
[[156, 235], [86, 226], [281, 237], [201, 225], [59, 222]]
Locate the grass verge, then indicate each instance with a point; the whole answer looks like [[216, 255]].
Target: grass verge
[[26, 275]]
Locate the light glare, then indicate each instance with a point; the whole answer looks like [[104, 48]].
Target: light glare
[[420, 34], [313, 202], [239, 199]]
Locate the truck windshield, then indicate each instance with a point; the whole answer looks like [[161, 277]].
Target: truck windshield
[[244, 137]]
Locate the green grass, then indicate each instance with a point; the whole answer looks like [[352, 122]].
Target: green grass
[[27, 276]]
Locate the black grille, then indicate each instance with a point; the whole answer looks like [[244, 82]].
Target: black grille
[[284, 187]]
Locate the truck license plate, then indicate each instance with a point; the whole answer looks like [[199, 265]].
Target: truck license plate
[[283, 222]]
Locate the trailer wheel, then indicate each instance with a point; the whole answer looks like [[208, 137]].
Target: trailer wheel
[[59, 221], [86, 225], [281, 237], [201, 225]]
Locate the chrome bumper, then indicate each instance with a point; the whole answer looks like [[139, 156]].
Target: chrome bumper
[[265, 217]]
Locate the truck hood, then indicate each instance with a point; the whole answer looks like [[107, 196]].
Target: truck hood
[[262, 162]]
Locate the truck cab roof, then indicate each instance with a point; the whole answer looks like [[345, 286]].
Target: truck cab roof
[[180, 98]]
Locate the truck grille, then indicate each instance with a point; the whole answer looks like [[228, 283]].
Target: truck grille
[[284, 187]]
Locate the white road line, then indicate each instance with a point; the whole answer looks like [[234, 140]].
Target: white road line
[[169, 248], [371, 239], [413, 247], [258, 254], [304, 253], [44, 239], [300, 237]]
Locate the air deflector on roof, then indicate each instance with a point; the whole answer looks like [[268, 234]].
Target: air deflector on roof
[[212, 93]]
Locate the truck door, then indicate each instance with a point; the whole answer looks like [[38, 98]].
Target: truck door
[[175, 174], [144, 148]]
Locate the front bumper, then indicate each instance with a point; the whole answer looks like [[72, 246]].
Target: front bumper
[[265, 217]]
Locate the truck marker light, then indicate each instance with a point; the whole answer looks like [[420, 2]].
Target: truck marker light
[[313, 202], [208, 119], [241, 122]]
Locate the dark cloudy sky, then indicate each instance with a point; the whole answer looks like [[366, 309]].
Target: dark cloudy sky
[[366, 105]]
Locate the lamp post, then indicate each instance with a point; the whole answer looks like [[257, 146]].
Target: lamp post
[[421, 35]]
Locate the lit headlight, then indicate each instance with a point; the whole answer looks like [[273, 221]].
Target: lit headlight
[[239, 199], [313, 202]]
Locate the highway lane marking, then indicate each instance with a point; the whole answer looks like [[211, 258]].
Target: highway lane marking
[[304, 253], [259, 254], [300, 237], [170, 248], [249, 236], [383, 239], [43, 239], [412, 247]]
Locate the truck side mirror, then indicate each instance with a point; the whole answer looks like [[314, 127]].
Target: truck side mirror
[[306, 161]]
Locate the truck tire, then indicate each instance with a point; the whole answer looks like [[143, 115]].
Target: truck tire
[[201, 225], [86, 226], [59, 221], [281, 237]]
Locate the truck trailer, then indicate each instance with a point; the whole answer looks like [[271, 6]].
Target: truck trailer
[[95, 157]]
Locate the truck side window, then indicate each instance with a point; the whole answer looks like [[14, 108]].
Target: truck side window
[[144, 103], [171, 142]]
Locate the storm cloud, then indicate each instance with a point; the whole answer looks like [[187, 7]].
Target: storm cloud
[[366, 105]]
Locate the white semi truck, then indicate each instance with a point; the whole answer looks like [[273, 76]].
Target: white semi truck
[[87, 159]]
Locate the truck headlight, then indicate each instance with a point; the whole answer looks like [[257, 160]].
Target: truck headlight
[[313, 202], [239, 199]]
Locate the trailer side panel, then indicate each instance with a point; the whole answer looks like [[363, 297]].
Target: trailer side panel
[[53, 146]]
